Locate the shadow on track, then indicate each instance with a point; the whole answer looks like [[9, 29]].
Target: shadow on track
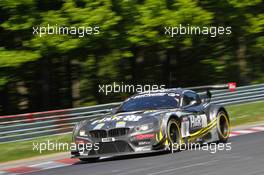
[[135, 156], [123, 157]]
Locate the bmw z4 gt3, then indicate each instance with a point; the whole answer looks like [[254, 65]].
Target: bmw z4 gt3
[[152, 121]]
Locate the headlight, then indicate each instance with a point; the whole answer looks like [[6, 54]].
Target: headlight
[[82, 133], [144, 127]]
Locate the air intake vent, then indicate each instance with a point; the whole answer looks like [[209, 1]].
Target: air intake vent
[[118, 132]]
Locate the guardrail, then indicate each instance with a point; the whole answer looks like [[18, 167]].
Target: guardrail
[[32, 125]]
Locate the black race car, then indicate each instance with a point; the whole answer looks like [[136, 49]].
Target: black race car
[[153, 121]]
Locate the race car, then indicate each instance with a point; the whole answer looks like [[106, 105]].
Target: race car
[[153, 121]]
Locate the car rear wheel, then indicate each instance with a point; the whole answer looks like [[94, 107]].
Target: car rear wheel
[[174, 135], [223, 127]]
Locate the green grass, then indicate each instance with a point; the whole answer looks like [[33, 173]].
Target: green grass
[[239, 114], [246, 113], [24, 149]]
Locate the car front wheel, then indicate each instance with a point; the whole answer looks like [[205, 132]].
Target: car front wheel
[[174, 135]]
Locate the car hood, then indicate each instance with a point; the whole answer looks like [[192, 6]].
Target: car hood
[[125, 119]]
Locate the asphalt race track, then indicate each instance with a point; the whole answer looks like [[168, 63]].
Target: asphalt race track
[[245, 158]]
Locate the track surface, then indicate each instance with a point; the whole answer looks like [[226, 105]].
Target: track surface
[[245, 158]]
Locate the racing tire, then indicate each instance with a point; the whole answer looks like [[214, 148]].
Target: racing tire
[[223, 126], [174, 135], [89, 160]]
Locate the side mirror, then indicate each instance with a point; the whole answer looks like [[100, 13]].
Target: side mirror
[[209, 96], [206, 97]]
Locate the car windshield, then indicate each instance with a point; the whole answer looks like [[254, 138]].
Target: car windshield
[[149, 102]]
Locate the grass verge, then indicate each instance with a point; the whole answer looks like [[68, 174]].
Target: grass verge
[[246, 113], [239, 114], [24, 149]]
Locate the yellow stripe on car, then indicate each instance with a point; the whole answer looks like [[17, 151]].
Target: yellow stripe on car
[[203, 131]]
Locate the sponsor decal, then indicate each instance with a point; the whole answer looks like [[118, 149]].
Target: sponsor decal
[[143, 149], [121, 124], [185, 127], [144, 136], [173, 94], [198, 121], [144, 143], [130, 118], [149, 95], [195, 121], [108, 139]]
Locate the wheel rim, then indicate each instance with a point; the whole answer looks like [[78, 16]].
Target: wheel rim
[[224, 126], [174, 133]]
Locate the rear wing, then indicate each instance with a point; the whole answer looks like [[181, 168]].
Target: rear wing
[[231, 86]]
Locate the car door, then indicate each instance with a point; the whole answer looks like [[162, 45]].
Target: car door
[[196, 118]]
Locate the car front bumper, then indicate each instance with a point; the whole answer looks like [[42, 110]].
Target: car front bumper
[[124, 145]]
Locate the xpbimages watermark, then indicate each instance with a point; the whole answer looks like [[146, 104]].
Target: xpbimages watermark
[[79, 31], [212, 31], [210, 147], [128, 88], [62, 146]]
